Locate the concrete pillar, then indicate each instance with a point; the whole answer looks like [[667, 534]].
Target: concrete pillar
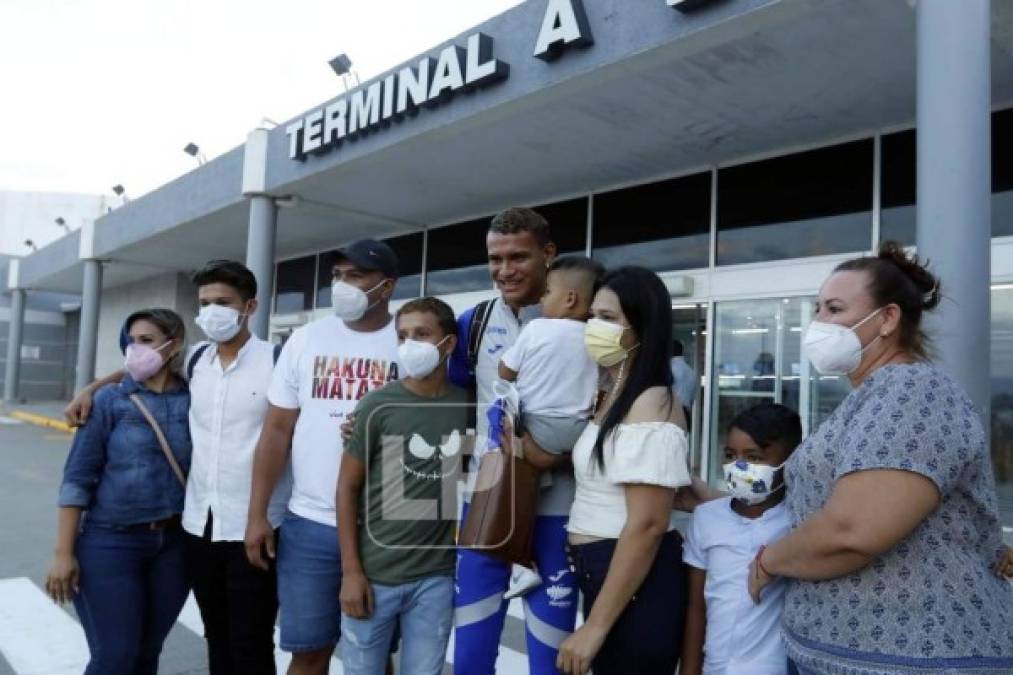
[[15, 334], [954, 183], [260, 258], [91, 299], [263, 225]]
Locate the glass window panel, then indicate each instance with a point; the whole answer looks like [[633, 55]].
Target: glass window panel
[[457, 259], [1002, 399], [568, 221], [899, 181], [661, 226], [758, 358], [1002, 173], [811, 203], [408, 249], [898, 184], [295, 285]]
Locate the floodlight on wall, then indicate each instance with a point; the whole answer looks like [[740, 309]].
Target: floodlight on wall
[[60, 222], [342, 67], [194, 151], [31, 244], [341, 64]]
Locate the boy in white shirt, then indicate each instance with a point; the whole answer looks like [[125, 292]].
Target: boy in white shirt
[[726, 633], [555, 378]]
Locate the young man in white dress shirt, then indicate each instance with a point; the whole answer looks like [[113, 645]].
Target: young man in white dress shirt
[[229, 379]]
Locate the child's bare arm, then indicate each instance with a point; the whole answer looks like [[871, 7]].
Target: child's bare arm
[[696, 625], [507, 374]]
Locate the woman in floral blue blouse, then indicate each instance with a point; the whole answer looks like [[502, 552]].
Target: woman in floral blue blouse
[[890, 564]]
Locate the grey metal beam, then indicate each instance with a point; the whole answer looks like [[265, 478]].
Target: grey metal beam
[[91, 299], [16, 331], [260, 244], [954, 182]]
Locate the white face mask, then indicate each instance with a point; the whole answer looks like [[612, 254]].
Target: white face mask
[[835, 349], [750, 483], [219, 323], [419, 359], [350, 303]]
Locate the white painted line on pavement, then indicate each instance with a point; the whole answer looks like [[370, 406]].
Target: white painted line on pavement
[[36, 636]]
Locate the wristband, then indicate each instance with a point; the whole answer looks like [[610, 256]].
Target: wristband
[[759, 561]]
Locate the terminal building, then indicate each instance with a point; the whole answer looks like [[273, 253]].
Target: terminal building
[[740, 148]]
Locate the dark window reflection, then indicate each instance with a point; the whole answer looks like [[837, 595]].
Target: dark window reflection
[[661, 226], [568, 221], [898, 183], [1002, 173], [457, 259], [409, 253], [811, 203], [295, 285]]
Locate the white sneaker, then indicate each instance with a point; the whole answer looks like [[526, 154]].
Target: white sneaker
[[522, 580]]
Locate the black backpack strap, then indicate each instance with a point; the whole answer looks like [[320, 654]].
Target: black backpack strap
[[476, 331], [192, 363], [277, 352]]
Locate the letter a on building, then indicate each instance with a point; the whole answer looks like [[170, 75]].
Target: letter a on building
[[565, 25]]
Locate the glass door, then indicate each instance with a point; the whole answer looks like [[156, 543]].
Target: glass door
[[758, 357], [689, 329]]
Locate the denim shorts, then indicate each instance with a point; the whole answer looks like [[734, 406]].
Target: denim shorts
[[309, 583]]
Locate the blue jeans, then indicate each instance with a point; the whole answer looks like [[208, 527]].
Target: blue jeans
[[550, 610], [133, 586], [425, 611], [309, 583]]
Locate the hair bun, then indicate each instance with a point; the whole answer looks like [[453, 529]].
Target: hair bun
[[912, 267]]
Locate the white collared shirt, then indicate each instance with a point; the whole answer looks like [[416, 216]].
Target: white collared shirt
[[227, 411], [742, 637]]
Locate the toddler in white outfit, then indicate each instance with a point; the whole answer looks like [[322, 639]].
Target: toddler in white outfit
[[556, 380]]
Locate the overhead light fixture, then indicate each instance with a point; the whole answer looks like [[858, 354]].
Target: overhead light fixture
[[60, 222], [194, 151], [341, 64], [342, 67], [31, 244]]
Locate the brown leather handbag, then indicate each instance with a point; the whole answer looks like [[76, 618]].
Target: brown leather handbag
[[501, 516]]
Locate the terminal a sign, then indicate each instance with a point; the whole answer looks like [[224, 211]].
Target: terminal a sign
[[433, 81]]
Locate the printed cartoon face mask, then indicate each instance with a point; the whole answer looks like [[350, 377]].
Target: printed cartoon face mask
[[750, 483]]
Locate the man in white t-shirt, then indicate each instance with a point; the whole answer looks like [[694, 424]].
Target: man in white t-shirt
[[324, 369]]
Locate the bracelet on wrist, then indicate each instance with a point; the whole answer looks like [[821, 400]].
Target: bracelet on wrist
[[759, 562]]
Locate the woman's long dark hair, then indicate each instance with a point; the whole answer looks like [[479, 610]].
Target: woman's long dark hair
[[648, 309]]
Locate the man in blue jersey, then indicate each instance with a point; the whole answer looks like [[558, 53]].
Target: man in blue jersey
[[520, 251]]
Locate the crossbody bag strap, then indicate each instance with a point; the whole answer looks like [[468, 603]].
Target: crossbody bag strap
[[166, 450]]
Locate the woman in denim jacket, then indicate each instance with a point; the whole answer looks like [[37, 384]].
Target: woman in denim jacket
[[122, 563]]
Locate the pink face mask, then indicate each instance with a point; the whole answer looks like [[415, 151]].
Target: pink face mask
[[142, 361]]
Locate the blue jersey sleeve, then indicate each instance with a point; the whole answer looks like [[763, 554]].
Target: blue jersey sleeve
[[457, 366]]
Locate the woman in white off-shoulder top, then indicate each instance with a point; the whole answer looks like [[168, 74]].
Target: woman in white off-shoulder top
[[629, 463]]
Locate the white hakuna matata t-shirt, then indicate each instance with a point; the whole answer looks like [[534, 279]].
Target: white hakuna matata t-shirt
[[324, 370]]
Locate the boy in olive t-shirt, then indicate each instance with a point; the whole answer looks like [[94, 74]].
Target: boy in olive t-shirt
[[397, 503]]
